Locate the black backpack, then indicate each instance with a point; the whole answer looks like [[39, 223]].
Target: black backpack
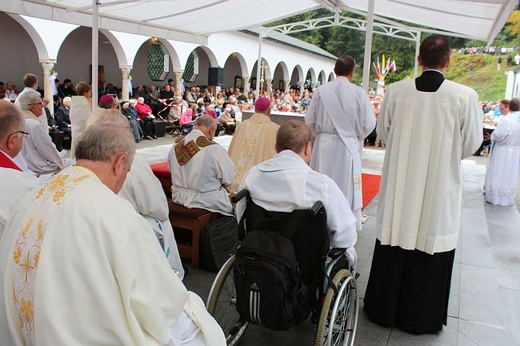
[[274, 287], [219, 241], [269, 287]]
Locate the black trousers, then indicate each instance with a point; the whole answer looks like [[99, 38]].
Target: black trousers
[[409, 289], [148, 126]]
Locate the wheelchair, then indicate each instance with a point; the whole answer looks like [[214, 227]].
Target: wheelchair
[[335, 294]]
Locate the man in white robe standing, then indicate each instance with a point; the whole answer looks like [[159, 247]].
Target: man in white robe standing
[[286, 182], [14, 183], [78, 265], [341, 117], [501, 184], [202, 171], [80, 111], [429, 125]]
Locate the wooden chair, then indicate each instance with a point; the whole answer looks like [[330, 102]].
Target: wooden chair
[[193, 220]]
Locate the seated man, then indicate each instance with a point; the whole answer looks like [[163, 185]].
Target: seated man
[[40, 155], [62, 115], [201, 169], [79, 266], [285, 183], [14, 183]]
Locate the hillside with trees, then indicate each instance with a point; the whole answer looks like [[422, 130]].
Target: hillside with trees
[[485, 79]]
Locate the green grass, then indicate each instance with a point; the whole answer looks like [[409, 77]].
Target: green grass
[[489, 83]]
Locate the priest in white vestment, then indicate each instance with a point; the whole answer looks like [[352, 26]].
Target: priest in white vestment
[[285, 183], [341, 117], [202, 171], [501, 185], [39, 153], [14, 183], [253, 140], [80, 111], [79, 266], [429, 124]]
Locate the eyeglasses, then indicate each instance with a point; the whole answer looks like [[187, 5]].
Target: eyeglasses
[[36, 104], [23, 133]]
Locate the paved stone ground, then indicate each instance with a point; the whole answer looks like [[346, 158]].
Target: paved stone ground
[[484, 304]]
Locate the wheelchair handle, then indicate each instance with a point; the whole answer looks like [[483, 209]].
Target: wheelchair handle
[[239, 195]]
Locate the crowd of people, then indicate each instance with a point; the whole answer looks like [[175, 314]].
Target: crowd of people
[[95, 227]]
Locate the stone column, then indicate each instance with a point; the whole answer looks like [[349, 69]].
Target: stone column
[[47, 83], [178, 82], [125, 77]]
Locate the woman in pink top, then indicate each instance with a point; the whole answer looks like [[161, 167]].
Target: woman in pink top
[[186, 121]]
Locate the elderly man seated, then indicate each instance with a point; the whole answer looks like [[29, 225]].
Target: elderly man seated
[[39, 155], [79, 266], [286, 182], [201, 169]]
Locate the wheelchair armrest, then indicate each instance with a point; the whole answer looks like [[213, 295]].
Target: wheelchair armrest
[[239, 195], [336, 252]]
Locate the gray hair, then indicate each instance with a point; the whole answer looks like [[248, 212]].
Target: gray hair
[[11, 119], [104, 141], [28, 97], [205, 121]]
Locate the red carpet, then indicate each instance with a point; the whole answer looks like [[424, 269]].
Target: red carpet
[[370, 184], [370, 181]]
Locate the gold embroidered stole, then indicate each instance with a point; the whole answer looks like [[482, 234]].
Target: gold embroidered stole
[[185, 152], [29, 241]]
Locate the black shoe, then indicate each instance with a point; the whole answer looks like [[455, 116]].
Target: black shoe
[[154, 137], [148, 137], [137, 140]]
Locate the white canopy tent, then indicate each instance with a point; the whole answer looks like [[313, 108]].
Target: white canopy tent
[[194, 20]]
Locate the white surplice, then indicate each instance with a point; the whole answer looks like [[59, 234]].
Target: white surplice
[[202, 181], [78, 266], [14, 184], [340, 132], [80, 111], [501, 185], [427, 134], [285, 183], [144, 191], [39, 152]]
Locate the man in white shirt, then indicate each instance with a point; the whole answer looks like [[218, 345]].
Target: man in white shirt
[[201, 169], [79, 266], [14, 183], [286, 182]]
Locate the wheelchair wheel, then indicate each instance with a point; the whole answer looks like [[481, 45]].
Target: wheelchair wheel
[[339, 314], [221, 304]]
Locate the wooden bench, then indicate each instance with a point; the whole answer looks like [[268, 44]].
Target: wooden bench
[[193, 220]]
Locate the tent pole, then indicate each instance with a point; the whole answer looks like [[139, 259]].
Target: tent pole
[[417, 46], [95, 58], [368, 45]]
